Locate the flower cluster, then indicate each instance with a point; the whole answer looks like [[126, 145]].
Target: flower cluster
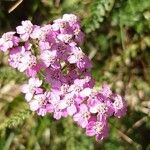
[[60, 80]]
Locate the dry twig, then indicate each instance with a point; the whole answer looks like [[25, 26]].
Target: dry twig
[[12, 8]]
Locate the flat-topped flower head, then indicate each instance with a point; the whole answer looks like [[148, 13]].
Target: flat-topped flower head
[[59, 74]]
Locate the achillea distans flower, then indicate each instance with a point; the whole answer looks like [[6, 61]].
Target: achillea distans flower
[[37, 101], [60, 80], [8, 40], [71, 18], [33, 87], [21, 59], [27, 29], [82, 116], [68, 103], [97, 128], [119, 105], [49, 57]]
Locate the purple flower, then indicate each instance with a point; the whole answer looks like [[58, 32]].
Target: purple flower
[[69, 104], [60, 80], [71, 18], [32, 71], [27, 29], [62, 50], [106, 90], [119, 105], [62, 26], [44, 45], [54, 100], [66, 38], [39, 103], [102, 110], [82, 116], [21, 59], [97, 128], [78, 57], [54, 77], [31, 88], [71, 76], [8, 40], [49, 57]]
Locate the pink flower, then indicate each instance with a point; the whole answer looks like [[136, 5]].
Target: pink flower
[[68, 103], [71, 18], [8, 40], [106, 90], [31, 88], [54, 100], [75, 55], [21, 59], [44, 45], [119, 105], [60, 80], [49, 57], [58, 24], [66, 38], [37, 102], [78, 57], [102, 109], [42, 111], [63, 89], [78, 88], [32, 71], [51, 37], [54, 77], [97, 128], [36, 32], [27, 29], [82, 116], [44, 31]]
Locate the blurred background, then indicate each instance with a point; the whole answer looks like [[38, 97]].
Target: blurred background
[[117, 41]]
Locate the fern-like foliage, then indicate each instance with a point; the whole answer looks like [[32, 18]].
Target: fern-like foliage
[[99, 9], [8, 74], [15, 120], [132, 11]]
